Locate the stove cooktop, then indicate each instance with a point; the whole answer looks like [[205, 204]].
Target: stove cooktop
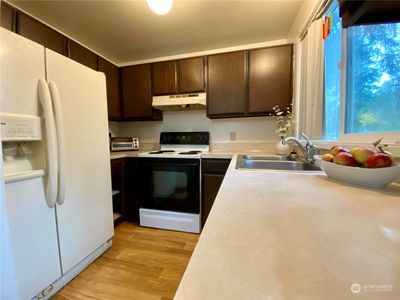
[[162, 151], [190, 152]]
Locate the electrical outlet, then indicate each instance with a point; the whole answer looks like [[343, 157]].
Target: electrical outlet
[[233, 136]]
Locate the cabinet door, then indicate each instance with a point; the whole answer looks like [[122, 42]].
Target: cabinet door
[[213, 174], [40, 33], [7, 16], [270, 79], [226, 84], [191, 75], [211, 183], [164, 78], [82, 55], [112, 81], [132, 188], [136, 94]]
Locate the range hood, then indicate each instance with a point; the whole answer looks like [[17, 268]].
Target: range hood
[[194, 101]]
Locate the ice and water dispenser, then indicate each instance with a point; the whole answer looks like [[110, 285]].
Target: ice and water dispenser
[[22, 147]]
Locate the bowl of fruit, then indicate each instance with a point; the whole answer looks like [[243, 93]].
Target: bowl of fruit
[[360, 166]]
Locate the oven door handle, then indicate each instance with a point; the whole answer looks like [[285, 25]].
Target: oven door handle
[[172, 164]]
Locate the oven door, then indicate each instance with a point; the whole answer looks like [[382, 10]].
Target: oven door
[[170, 184]]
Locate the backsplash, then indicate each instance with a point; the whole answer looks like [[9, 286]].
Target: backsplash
[[246, 129], [113, 128]]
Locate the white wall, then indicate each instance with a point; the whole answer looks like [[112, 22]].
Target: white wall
[[301, 19], [247, 129]]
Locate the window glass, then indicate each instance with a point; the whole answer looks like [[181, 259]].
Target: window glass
[[373, 79], [332, 49]]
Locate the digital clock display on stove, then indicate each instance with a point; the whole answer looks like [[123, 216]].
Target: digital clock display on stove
[[179, 138]]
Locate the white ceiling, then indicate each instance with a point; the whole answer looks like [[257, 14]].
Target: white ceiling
[[127, 31]]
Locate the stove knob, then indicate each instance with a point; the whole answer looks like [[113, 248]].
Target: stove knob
[[165, 139], [200, 139]]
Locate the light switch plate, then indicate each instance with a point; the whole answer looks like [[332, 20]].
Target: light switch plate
[[233, 136]]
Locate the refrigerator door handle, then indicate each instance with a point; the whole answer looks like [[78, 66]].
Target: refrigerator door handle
[[55, 96], [51, 142]]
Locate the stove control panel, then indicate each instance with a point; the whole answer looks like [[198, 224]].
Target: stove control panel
[[185, 138]]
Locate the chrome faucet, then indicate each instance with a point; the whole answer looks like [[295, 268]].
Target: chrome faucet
[[308, 151]]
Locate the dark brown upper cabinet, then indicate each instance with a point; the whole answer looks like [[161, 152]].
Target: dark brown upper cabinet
[[136, 94], [178, 76], [367, 12], [269, 79], [82, 55], [7, 16], [164, 78], [40, 33], [226, 92], [112, 82], [191, 75]]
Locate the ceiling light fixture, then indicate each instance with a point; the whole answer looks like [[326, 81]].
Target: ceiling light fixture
[[160, 7]]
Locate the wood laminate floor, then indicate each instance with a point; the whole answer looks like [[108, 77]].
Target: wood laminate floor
[[143, 263]]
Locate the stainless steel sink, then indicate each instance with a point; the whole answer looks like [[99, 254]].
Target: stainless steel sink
[[261, 157], [273, 163]]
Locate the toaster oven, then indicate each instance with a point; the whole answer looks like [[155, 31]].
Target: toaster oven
[[124, 144]]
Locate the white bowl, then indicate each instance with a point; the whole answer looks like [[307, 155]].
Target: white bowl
[[377, 177]]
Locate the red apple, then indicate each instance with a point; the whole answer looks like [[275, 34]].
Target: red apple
[[361, 154], [378, 160], [345, 159], [327, 157], [387, 152], [337, 149]]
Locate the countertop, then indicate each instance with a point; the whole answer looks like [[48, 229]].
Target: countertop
[[123, 154], [282, 235]]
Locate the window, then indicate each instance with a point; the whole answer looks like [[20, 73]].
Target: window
[[371, 98], [373, 79]]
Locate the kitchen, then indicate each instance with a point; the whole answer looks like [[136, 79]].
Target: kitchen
[[269, 234]]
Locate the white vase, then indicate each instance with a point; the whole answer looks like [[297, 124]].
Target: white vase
[[282, 149]]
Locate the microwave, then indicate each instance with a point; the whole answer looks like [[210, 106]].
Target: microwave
[[124, 144]]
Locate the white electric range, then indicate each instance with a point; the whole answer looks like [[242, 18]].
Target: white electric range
[[170, 187]]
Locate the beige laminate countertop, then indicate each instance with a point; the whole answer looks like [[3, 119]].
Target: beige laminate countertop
[[123, 154], [211, 154], [281, 235]]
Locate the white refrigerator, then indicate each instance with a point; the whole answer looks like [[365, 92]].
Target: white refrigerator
[[56, 183]]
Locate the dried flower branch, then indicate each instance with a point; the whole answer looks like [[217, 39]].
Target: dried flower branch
[[284, 120]]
